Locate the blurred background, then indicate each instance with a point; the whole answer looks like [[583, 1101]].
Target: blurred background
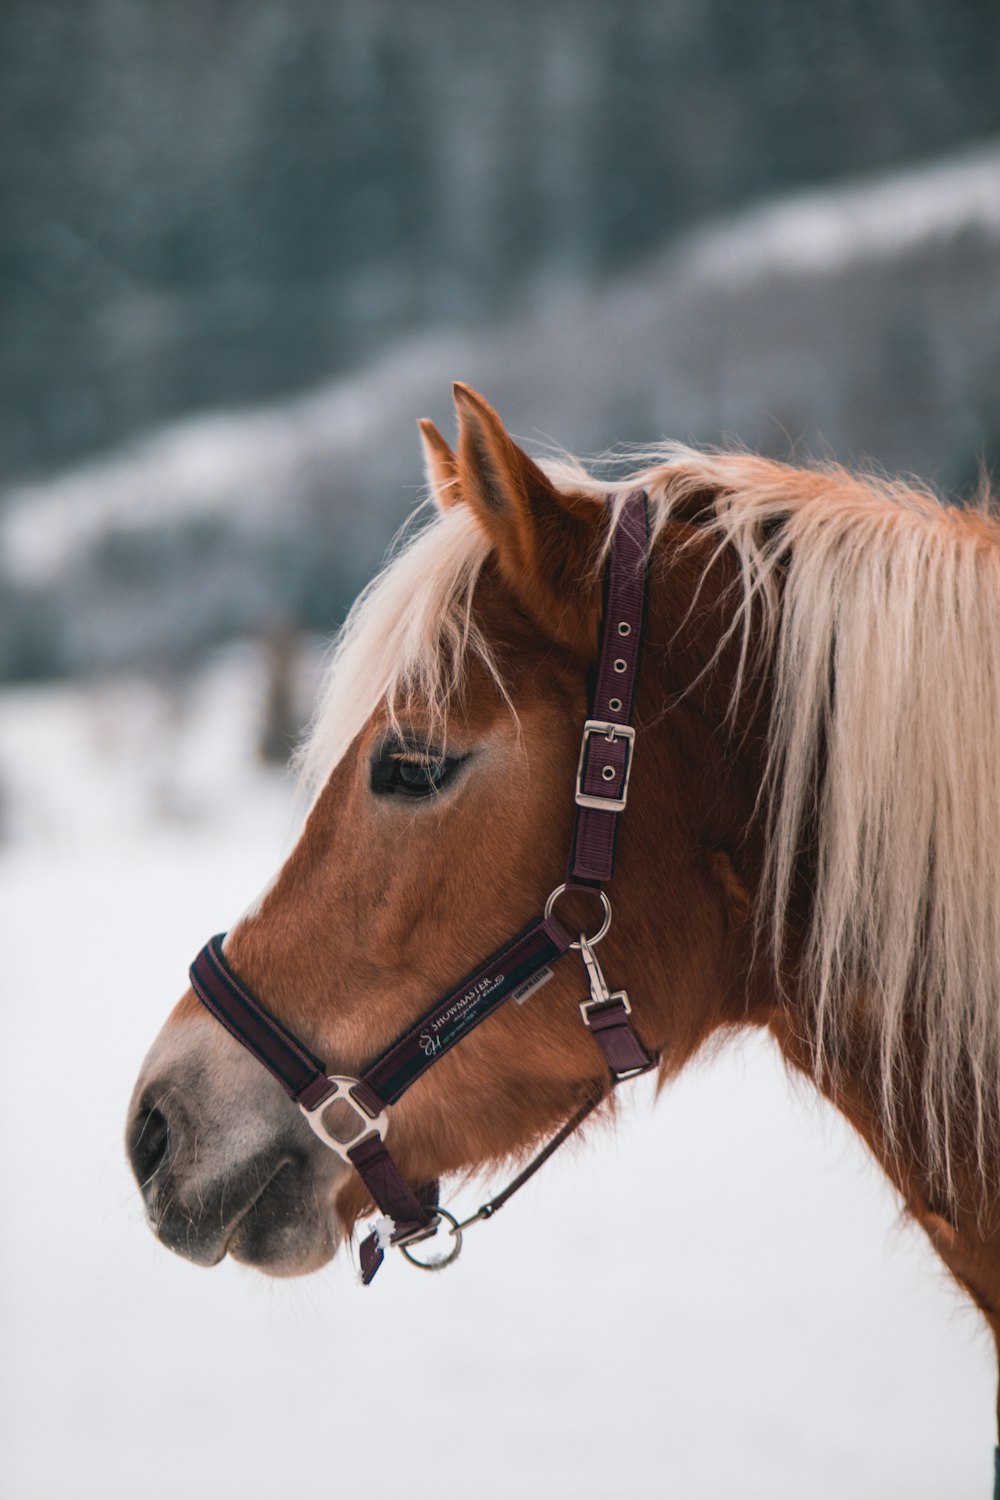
[[242, 247]]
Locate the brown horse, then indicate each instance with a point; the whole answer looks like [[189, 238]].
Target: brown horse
[[812, 842]]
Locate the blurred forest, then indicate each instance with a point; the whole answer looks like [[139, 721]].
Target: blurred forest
[[217, 201], [320, 212]]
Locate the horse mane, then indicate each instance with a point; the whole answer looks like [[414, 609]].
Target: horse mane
[[406, 639], [878, 606]]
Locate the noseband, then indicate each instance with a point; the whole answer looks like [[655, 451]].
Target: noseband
[[351, 1115]]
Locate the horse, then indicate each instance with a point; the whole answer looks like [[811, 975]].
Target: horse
[[811, 845]]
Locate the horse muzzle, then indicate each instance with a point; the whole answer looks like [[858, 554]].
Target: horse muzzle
[[224, 1167]]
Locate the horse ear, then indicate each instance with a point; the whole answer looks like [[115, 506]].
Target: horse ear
[[440, 465], [545, 541]]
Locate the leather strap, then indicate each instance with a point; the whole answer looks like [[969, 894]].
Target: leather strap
[[605, 761], [387, 1186], [371, 1252], [299, 1072], [389, 1191], [612, 1030], [510, 969]]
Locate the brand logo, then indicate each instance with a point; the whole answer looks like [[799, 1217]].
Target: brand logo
[[429, 1045], [458, 1014]]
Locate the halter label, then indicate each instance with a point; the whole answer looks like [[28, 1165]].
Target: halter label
[[518, 969], [457, 1013], [526, 990], [461, 1012]]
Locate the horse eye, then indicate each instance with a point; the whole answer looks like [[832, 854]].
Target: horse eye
[[411, 772]]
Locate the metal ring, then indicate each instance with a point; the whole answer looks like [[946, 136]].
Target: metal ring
[[601, 932], [442, 1260]]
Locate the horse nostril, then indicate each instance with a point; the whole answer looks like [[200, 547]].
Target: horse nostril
[[148, 1144]]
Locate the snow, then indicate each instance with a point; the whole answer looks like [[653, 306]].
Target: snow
[[383, 1228], [717, 1299], [880, 218]]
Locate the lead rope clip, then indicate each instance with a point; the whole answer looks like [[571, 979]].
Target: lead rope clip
[[599, 992]]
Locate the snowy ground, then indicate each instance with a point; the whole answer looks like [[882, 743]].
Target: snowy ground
[[743, 1316]]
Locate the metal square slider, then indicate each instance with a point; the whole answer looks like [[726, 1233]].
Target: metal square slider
[[342, 1118]]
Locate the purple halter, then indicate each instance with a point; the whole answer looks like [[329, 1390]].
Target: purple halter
[[356, 1132]]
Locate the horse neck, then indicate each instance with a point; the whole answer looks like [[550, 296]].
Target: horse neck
[[691, 869]]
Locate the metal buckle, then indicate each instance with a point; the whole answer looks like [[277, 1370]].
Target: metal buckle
[[586, 1006], [335, 1136], [611, 732]]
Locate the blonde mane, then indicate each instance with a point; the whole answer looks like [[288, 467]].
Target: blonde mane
[[880, 606], [406, 639]]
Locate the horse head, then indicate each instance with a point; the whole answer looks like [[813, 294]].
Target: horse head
[[443, 759]]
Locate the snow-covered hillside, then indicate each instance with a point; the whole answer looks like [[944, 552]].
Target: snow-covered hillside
[[862, 321], [717, 1300]]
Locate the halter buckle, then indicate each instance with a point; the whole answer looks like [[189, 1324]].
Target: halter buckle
[[610, 732], [338, 1134], [586, 1006]]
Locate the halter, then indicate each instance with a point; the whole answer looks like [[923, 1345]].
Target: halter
[[351, 1115]]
